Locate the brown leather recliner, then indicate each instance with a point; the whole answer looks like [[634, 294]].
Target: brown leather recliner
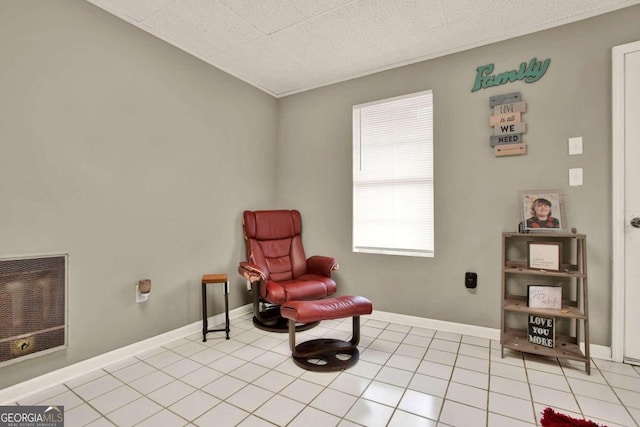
[[278, 269]]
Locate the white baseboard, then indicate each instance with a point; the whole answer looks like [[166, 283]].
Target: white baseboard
[[12, 394], [441, 325], [599, 352], [596, 351]]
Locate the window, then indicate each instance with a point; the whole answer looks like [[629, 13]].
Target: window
[[393, 176]]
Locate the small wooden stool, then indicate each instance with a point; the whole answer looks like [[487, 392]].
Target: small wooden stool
[[325, 354], [214, 278]]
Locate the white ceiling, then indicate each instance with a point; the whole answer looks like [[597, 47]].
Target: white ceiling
[[288, 46]]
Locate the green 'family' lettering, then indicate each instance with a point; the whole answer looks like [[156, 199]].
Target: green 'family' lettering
[[529, 73]]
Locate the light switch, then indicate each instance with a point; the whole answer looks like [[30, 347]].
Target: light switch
[[575, 145], [575, 177]]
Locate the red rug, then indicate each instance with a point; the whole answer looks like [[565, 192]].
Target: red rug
[[550, 418]]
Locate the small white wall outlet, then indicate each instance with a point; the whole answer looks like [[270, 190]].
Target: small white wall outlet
[[140, 297]]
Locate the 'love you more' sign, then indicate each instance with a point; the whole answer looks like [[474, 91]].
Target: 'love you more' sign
[[541, 331]]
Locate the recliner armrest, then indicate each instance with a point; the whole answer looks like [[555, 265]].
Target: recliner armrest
[[322, 265], [252, 272]]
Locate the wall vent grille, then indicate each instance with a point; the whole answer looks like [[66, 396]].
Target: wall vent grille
[[33, 306]]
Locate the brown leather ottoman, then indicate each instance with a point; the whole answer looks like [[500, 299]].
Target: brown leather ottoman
[[326, 354]]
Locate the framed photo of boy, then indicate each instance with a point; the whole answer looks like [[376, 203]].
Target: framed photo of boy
[[541, 210]]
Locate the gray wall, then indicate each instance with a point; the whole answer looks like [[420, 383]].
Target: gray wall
[[476, 193], [132, 156]]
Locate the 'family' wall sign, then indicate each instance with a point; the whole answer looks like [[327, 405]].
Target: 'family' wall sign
[[529, 73]]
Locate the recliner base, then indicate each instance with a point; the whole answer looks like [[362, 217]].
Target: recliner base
[[281, 325]]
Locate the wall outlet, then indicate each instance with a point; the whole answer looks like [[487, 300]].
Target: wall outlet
[[141, 297]]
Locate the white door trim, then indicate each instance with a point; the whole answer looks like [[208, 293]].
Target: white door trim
[[618, 189]]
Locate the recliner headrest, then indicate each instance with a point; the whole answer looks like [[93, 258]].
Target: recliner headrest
[[272, 225]]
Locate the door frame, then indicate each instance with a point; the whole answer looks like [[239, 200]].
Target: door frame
[[618, 194]]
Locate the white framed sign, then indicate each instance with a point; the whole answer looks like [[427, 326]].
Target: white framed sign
[[544, 255], [544, 296]]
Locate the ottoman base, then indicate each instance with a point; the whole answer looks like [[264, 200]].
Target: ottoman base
[[324, 354]]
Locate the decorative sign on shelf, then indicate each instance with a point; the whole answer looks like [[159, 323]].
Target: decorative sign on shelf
[[507, 124], [544, 296], [544, 255], [529, 73], [542, 331]]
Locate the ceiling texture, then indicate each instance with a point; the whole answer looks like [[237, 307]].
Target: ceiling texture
[[288, 46]]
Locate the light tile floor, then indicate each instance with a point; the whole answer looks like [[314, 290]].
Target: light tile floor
[[406, 376]]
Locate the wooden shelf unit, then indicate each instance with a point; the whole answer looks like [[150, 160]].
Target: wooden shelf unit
[[573, 317]]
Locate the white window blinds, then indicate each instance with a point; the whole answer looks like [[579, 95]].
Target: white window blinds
[[393, 176]]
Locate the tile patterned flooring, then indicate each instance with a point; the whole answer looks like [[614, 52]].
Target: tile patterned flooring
[[406, 376]]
